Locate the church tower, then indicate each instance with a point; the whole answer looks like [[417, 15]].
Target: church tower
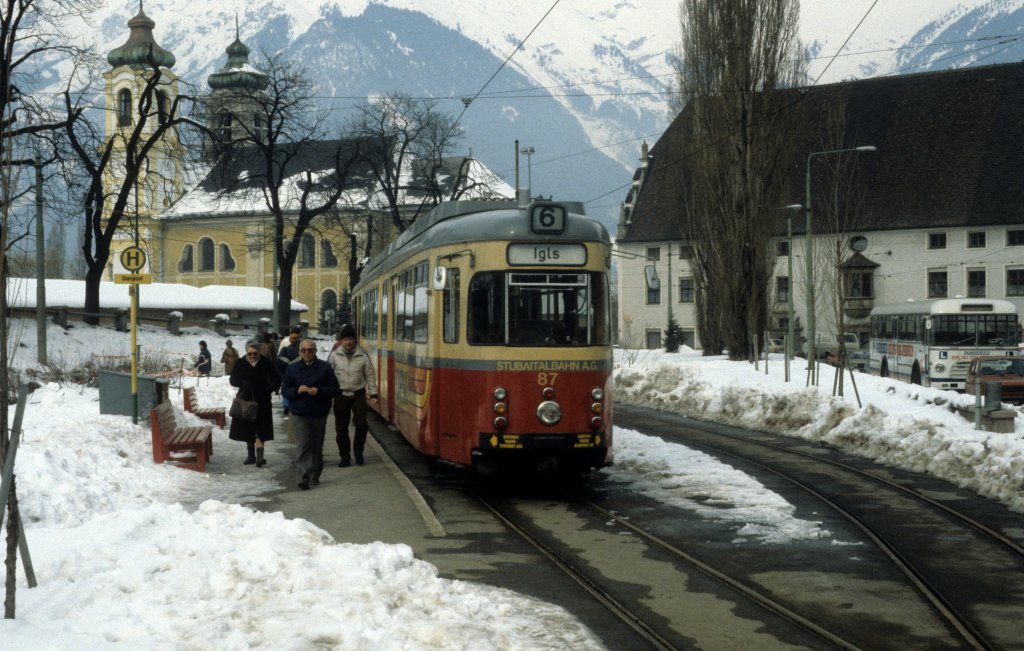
[[234, 111], [125, 82]]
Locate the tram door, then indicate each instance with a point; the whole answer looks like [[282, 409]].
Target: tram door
[[447, 320]]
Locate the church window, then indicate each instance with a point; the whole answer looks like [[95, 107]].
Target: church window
[[224, 128], [307, 251], [185, 263], [258, 127], [124, 108], [330, 261], [227, 262], [206, 256], [161, 106]]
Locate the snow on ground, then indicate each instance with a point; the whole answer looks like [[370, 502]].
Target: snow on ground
[[133, 555], [900, 425], [130, 554]]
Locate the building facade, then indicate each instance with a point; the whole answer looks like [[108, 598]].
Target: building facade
[[940, 209]]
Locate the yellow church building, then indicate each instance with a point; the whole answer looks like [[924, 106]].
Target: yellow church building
[[209, 223]]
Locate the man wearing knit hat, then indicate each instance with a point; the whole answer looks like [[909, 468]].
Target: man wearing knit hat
[[356, 377]]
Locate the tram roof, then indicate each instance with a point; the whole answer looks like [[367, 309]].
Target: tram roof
[[947, 306], [460, 222]]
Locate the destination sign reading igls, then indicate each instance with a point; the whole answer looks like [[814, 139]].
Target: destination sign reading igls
[[547, 254]]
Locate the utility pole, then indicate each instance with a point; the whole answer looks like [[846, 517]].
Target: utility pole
[[40, 267]]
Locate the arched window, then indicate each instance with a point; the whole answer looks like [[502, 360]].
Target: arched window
[[124, 108], [161, 106], [227, 263], [307, 251], [328, 259], [185, 263], [328, 310], [224, 128], [206, 256]]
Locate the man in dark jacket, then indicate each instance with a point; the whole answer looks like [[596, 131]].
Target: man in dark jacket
[[310, 386]]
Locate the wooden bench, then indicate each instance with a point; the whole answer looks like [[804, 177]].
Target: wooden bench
[[216, 414], [169, 438]]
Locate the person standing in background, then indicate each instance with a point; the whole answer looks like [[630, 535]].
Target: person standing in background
[[228, 357], [204, 363]]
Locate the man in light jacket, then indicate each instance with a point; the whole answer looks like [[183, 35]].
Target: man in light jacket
[[356, 378]]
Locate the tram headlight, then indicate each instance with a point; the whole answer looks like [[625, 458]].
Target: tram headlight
[[500, 393], [597, 393], [940, 367], [500, 408], [597, 408], [548, 412]]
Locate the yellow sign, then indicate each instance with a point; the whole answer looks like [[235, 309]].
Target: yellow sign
[[133, 279], [133, 258]]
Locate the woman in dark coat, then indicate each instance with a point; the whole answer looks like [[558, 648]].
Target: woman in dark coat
[[255, 377]]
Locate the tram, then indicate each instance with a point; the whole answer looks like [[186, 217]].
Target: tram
[[490, 325]]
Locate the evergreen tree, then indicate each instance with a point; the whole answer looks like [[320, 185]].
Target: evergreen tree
[[673, 337]]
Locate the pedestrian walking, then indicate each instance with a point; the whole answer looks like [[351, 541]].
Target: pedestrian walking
[[310, 386], [356, 378], [256, 377], [229, 357], [204, 363], [286, 354]]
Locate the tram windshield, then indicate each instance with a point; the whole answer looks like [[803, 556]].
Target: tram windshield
[[539, 308]]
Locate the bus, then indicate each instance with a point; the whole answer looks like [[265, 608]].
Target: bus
[[932, 343], [490, 325]]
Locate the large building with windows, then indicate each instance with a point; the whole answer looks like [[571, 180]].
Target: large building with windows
[[940, 211], [216, 228]]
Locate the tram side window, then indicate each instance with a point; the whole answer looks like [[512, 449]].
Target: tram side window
[[369, 315], [451, 307], [486, 304], [406, 302], [384, 312], [420, 304]]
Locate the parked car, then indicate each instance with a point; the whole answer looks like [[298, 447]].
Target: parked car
[[775, 345], [827, 342], [1007, 370]]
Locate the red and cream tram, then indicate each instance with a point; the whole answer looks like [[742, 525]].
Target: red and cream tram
[[489, 323]]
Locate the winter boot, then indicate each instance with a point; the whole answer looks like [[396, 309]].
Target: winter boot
[[251, 457], [260, 461]]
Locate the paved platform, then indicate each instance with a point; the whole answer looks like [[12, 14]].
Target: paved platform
[[357, 504]]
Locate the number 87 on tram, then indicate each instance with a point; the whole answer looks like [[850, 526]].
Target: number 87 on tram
[[490, 325]]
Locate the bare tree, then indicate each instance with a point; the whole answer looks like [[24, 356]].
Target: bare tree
[[29, 33], [735, 56], [409, 145], [278, 133], [839, 197], [120, 172]]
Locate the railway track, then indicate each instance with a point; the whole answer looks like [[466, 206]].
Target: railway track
[[959, 565]]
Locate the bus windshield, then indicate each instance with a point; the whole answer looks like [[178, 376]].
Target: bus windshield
[[974, 330], [541, 308]]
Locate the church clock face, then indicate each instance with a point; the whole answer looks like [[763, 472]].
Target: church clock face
[[858, 243]]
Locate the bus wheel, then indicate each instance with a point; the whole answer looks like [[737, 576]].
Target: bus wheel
[[884, 370], [915, 374]]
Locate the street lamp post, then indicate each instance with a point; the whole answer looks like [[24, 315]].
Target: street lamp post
[[529, 152], [811, 353], [790, 317]]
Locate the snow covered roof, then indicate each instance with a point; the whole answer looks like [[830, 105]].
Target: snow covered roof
[[21, 294]]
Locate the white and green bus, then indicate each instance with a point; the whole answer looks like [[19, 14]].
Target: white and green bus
[[933, 342]]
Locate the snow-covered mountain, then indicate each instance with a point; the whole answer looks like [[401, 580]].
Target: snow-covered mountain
[[587, 85]]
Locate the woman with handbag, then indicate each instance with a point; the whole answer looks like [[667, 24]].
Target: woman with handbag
[[256, 378]]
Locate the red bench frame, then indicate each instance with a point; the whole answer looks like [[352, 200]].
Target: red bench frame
[[216, 414], [168, 438]]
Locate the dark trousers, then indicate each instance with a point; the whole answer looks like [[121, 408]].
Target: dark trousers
[[346, 409], [310, 434]]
